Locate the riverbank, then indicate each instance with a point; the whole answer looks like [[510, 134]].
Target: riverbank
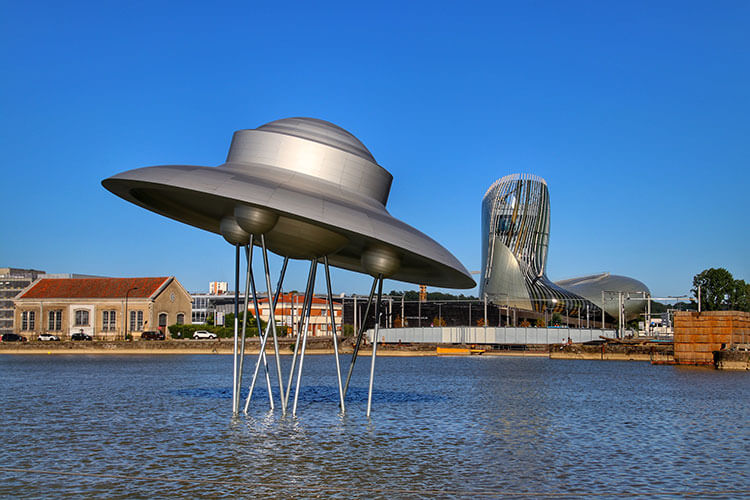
[[315, 346]]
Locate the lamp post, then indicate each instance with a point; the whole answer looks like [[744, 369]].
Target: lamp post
[[125, 315], [554, 301]]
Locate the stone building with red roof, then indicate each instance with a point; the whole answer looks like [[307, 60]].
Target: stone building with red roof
[[97, 307]]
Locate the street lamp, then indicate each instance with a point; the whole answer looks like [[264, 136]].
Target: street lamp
[[125, 316], [554, 301]]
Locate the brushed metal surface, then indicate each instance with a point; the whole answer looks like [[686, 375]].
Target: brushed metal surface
[[323, 186], [515, 242], [591, 287]]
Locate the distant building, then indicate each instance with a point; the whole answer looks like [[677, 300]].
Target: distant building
[[97, 306], [206, 305], [515, 242], [289, 309], [217, 287], [12, 281]]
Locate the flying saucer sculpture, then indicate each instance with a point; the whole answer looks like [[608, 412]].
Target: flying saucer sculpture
[[314, 188], [304, 189]]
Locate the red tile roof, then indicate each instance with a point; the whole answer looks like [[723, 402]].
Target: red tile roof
[[93, 288], [286, 298]]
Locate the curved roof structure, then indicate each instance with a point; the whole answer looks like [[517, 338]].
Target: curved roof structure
[[317, 185], [591, 288], [515, 243]]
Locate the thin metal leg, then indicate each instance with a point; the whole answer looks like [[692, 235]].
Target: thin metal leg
[[308, 295], [263, 340], [238, 386], [304, 338], [271, 319], [363, 321], [262, 354], [236, 312], [335, 337], [374, 343]]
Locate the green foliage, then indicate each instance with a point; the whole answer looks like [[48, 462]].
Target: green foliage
[[413, 295], [658, 308], [557, 319], [347, 330], [251, 325], [226, 331], [720, 291], [739, 296]]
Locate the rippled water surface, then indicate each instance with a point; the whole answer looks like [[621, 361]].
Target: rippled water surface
[[160, 426]]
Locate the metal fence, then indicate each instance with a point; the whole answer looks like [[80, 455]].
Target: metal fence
[[488, 335]]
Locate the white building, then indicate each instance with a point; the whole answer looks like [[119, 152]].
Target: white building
[[217, 287]]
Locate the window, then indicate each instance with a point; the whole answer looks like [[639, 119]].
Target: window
[[55, 320], [109, 320], [82, 317], [180, 319], [28, 320], [136, 321]]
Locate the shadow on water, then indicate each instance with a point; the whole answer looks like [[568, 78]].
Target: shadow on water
[[314, 393]]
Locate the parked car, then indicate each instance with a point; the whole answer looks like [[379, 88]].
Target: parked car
[[47, 336], [152, 335], [13, 337], [80, 336], [204, 334]]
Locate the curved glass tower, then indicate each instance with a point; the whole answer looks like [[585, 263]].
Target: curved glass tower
[[515, 240]]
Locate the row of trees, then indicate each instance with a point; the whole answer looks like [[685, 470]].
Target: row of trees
[[720, 291], [413, 295], [222, 331]]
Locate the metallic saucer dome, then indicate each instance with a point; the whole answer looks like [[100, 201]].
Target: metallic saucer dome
[[320, 131], [312, 188]]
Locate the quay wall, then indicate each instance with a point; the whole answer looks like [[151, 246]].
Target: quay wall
[[732, 360], [698, 335], [488, 335]]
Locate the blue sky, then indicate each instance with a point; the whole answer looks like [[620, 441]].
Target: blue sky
[[636, 113]]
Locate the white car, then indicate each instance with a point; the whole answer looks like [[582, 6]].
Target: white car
[[204, 334], [47, 336]]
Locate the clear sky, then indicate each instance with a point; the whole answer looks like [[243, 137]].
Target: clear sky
[[636, 113]]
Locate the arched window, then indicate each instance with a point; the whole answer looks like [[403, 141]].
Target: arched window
[[180, 319], [28, 320], [81, 317], [109, 319], [55, 320], [136, 321]]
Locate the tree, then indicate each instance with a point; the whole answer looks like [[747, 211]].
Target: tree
[[251, 325], [716, 287], [557, 319], [739, 296]]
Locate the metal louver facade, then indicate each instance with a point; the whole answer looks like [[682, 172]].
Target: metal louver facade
[[515, 241]]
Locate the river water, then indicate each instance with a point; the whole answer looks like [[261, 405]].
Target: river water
[[456, 427]]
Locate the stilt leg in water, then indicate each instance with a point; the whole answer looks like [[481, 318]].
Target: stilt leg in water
[[375, 343]]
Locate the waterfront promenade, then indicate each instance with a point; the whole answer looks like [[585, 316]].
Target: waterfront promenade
[[322, 346]]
